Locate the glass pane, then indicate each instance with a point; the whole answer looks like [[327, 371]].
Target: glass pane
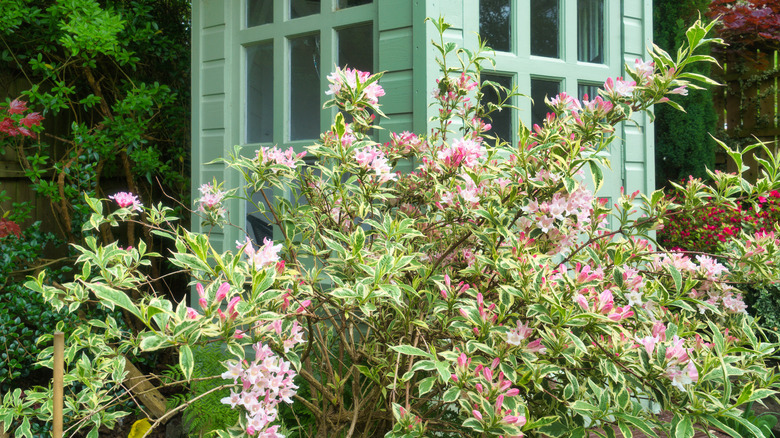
[[259, 12], [541, 88], [356, 47], [495, 25], [305, 87], [260, 93], [349, 3], [590, 31], [589, 91], [545, 30], [501, 121], [302, 8]]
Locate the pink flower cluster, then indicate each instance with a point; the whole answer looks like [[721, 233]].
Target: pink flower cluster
[[602, 303], [679, 367], [265, 383], [211, 200], [710, 273], [561, 218], [517, 335], [275, 155], [373, 159], [491, 386], [349, 79], [127, 200], [264, 256], [463, 152]]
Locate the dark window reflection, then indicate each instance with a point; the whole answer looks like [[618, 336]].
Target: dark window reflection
[[259, 93], [541, 88], [349, 3], [495, 24], [356, 47], [259, 12], [302, 8], [545, 31], [590, 31], [305, 94], [589, 90], [501, 121]]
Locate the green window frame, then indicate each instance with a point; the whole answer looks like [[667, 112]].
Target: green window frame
[[566, 67]]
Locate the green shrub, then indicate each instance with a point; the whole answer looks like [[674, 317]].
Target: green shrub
[[682, 139], [208, 414]]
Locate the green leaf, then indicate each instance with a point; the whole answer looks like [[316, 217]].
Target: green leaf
[[598, 176], [451, 395], [153, 341], [682, 427], [584, 407], [426, 384], [115, 297], [186, 361], [410, 351], [637, 423]]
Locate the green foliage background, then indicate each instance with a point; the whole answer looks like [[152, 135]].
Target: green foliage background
[[111, 78], [682, 140]]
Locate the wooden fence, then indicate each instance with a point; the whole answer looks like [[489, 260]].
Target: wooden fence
[[747, 104]]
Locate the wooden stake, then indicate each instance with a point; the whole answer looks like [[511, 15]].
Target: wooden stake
[[59, 366], [143, 389]]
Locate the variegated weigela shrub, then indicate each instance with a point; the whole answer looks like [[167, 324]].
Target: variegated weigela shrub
[[488, 292]]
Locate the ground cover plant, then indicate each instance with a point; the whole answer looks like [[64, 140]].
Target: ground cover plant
[[482, 294]]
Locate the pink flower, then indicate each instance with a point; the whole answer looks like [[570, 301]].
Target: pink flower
[[201, 293], [340, 80], [222, 292], [536, 347], [127, 200], [192, 313], [265, 256]]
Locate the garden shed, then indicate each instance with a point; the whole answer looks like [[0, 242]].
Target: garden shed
[[259, 70]]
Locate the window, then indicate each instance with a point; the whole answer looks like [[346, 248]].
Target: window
[[501, 122], [541, 89], [303, 8], [545, 28], [286, 59], [495, 24], [353, 50], [590, 31], [585, 89], [260, 88], [259, 12], [305, 87]]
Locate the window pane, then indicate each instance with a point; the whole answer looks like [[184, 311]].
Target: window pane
[[541, 88], [356, 47], [259, 93], [259, 12], [589, 90], [545, 19], [302, 8], [495, 25], [305, 87], [349, 3], [501, 121], [590, 31]]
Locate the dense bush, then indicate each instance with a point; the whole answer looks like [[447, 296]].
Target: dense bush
[[711, 229], [683, 145], [708, 228], [481, 295]]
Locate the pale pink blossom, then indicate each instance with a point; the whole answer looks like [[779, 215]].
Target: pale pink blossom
[[266, 255]]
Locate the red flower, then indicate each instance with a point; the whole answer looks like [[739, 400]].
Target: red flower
[[9, 227]]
